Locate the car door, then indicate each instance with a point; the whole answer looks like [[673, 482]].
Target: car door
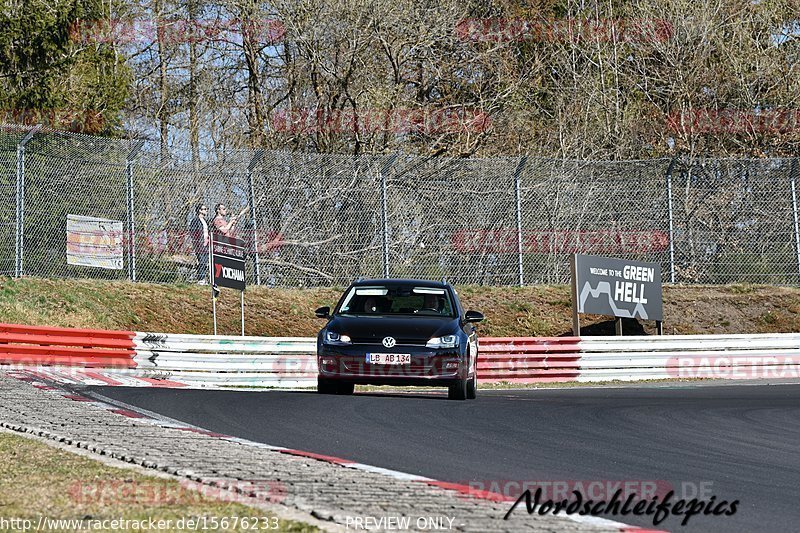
[[470, 330]]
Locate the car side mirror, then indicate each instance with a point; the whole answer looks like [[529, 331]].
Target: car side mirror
[[473, 316], [323, 312]]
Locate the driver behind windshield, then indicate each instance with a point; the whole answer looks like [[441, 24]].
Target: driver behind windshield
[[431, 303]]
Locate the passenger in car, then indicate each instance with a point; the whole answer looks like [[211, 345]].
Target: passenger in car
[[376, 304], [372, 305]]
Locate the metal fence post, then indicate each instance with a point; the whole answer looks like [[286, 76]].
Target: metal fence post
[[792, 175], [671, 225], [19, 248], [254, 161], [385, 213], [131, 221], [517, 172]]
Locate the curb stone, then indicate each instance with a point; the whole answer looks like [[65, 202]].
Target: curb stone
[[326, 494]]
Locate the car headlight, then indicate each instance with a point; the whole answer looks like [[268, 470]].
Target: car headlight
[[336, 338], [448, 341]]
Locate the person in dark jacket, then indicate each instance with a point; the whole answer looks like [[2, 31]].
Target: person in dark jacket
[[198, 231]]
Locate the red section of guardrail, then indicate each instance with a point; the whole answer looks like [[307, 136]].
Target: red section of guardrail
[[88, 348], [528, 359]]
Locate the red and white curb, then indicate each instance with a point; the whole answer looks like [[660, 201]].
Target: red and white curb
[[42, 381]]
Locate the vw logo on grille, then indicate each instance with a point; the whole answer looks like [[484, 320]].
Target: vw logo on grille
[[389, 342]]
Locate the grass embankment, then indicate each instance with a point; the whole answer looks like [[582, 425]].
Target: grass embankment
[[510, 311], [37, 480]]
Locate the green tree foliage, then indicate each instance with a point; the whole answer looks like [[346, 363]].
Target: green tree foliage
[[49, 71]]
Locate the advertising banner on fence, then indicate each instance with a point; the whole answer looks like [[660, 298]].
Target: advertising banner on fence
[[94, 242], [228, 262], [617, 287]]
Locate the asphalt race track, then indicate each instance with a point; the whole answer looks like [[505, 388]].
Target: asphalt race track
[[733, 442]]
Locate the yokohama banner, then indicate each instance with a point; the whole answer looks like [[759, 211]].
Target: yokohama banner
[[228, 256]]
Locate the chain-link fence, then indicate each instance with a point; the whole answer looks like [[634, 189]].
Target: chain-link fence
[[321, 219]]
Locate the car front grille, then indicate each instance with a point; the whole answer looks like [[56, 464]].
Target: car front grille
[[400, 341]]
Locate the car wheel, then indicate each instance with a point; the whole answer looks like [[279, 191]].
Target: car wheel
[[472, 387], [326, 386], [458, 391], [345, 388]]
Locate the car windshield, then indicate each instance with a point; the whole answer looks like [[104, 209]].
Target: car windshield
[[397, 300]]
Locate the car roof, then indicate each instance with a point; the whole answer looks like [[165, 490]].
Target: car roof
[[400, 281]]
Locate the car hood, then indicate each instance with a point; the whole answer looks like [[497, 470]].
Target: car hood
[[404, 329]]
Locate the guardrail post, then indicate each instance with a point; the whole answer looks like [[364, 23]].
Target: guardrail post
[[792, 179], [256, 159], [671, 224], [129, 203], [19, 248], [518, 196], [385, 214]]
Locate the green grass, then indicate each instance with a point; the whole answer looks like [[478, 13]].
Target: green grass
[[539, 310], [38, 480]]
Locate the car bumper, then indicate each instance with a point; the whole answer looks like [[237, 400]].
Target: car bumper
[[427, 367]]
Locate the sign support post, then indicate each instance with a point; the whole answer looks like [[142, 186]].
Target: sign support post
[[576, 320], [211, 276]]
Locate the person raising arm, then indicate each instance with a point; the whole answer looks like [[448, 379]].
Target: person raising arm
[[223, 226]]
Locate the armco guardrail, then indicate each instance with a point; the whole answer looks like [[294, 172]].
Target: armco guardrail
[[164, 359], [773, 355], [223, 360], [529, 359], [90, 348]]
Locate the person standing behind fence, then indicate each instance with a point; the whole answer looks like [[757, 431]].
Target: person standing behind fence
[[223, 226], [198, 231]]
